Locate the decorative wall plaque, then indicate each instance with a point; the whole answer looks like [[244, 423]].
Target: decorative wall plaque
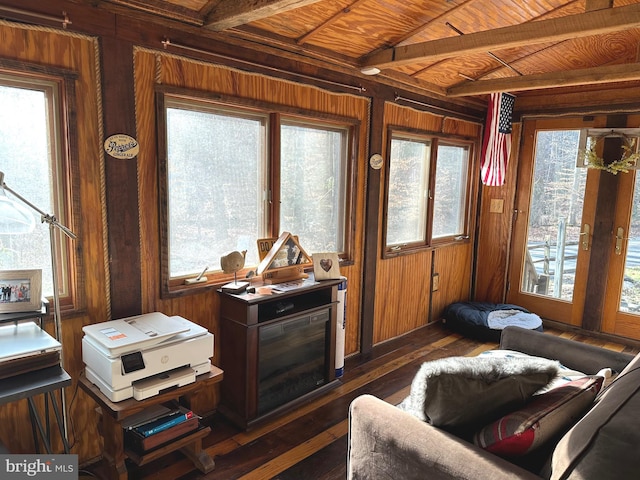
[[121, 146]]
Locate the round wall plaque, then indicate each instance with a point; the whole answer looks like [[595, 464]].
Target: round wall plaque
[[376, 161], [121, 146]]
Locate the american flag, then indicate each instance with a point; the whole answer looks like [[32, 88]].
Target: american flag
[[497, 139]]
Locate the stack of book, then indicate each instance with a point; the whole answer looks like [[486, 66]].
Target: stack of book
[[157, 426]]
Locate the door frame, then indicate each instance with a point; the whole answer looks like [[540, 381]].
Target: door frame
[[563, 311]]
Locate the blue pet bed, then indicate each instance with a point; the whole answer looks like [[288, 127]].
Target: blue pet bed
[[485, 321]]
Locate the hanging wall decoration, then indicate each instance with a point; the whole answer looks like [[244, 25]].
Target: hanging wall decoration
[[496, 145], [628, 159]]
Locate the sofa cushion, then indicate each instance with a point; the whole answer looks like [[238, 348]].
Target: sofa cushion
[[603, 444], [519, 433], [466, 392]]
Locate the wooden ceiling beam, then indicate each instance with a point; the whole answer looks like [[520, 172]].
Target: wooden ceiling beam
[[552, 30], [586, 76], [591, 5], [231, 13]]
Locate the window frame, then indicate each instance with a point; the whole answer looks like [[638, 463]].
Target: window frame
[[452, 142], [346, 256], [175, 286], [60, 84], [435, 139]]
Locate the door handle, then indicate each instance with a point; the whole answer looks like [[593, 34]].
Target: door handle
[[586, 229], [619, 238]]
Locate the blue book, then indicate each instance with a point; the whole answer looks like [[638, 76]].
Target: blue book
[[164, 423]]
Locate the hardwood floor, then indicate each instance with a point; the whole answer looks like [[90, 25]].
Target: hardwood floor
[[310, 442]]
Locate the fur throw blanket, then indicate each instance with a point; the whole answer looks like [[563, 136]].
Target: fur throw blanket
[[463, 391]]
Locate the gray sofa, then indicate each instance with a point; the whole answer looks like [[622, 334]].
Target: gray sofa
[[388, 443]]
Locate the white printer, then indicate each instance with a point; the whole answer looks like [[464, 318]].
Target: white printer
[[143, 355]]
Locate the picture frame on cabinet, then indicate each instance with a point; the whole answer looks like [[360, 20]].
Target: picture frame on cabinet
[[20, 290]]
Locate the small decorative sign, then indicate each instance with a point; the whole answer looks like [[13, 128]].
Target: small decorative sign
[[121, 146], [326, 266], [376, 161], [264, 245]]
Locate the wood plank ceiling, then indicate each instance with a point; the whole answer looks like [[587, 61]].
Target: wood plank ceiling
[[454, 48]]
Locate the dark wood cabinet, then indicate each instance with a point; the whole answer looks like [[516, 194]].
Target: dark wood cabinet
[[277, 350]]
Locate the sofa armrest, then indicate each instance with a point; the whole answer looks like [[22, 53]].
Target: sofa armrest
[[388, 443], [575, 355]]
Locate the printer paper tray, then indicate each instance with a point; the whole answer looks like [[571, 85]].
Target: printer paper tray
[[125, 393], [163, 381]]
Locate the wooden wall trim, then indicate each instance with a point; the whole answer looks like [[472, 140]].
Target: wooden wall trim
[[371, 226], [602, 232], [121, 180]]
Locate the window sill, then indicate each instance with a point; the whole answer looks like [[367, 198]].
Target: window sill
[[414, 249]]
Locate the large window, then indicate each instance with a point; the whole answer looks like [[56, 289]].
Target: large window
[[408, 189], [31, 159], [450, 197], [313, 174], [238, 173], [216, 185], [427, 191]]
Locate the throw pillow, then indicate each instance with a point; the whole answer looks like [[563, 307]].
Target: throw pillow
[[520, 432], [464, 392]]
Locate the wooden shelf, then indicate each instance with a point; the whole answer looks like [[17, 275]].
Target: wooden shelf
[[175, 444], [125, 408], [113, 434]]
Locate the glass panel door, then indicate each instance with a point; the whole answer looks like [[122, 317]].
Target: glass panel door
[[555, 213], [555, 205], [553, 229], [622, 302], [630, 298]]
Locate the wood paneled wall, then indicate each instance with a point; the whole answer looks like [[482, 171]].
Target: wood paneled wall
[[402, 300], [400, 295], [494, 231], [79, 54], [403, 297], [153, 68]]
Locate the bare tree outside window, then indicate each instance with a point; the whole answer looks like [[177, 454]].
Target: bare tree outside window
[[408, 191], [216, 187], [313, 174], [427, 191], [28, 158], [225, 170], [450, 197], [555, 213]]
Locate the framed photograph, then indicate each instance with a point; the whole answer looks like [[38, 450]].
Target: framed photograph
[[326, 266], [20, 291]]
